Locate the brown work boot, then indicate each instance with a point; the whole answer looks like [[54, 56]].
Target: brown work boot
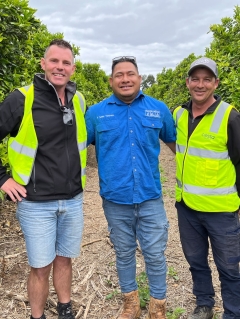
[[157, 309], [131, 306]]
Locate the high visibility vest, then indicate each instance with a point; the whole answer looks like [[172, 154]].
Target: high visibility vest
[[22, 149], [205, 174]]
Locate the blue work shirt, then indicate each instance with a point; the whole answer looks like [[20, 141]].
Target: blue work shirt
[[127, 146]]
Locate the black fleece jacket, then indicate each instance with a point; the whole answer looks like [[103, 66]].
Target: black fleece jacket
[[57, 171]]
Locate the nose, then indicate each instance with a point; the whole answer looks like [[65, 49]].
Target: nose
[[125, 78], [60, 66], [201, 83]]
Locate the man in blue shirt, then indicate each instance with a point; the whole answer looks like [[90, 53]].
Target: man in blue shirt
[[126, 128]]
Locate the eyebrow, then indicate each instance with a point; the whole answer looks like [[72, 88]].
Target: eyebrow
[[121, 72]]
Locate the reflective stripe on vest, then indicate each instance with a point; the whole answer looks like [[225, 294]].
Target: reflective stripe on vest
[[180, 148], [209, 191], [19, 148], [206, 191], [82, 146], [25, 89], [203, 153], [178, 115], [179, 184], [83, 172], [24, 178], [218, 117]]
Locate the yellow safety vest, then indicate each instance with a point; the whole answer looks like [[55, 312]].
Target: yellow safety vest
[[22, 149], [205, 174]]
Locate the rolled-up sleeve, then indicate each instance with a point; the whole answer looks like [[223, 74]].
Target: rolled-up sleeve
[[90, 127], [168, 131]]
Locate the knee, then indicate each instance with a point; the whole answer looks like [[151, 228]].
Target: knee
[[155, 262], [41, 273], [61, 261]]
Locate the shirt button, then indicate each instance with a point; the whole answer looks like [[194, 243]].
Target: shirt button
[[131, 131], [134, 157], [130, 118], [152, 124], [135, 170], [132, 144]]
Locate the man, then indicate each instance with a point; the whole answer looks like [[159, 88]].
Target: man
[[208, 189], [126, 128], [47, 155]]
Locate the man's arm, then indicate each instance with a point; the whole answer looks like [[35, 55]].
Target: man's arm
[[172, 146], [11, 112], [90, 127], [233, 144], [168, 131]]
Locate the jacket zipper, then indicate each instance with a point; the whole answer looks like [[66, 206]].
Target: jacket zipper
[[67, 153], [68, 160], [184, 164], [34, 179]]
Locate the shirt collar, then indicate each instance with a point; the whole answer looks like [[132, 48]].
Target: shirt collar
[[44, 84], [211, 109], [113, 99], [70, 87]]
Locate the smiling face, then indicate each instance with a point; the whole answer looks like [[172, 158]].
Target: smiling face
[[125, 81], [58, 66], [202, 84]]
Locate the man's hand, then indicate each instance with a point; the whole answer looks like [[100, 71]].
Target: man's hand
[[14, 190]]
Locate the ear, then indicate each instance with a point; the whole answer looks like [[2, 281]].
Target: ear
[[110, 81], [42, 62], [73, 69], [187, 82], [216, 83]]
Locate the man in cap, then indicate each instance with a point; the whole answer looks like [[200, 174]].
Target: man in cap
[[208, 189], [126, 128]]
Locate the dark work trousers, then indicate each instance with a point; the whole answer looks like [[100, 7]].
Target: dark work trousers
[[223, 232]]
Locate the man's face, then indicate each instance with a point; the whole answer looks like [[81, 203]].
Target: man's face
[[58, 66], [202, 84], [125, 81]]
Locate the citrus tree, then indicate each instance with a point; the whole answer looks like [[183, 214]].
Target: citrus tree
[[225, 50]]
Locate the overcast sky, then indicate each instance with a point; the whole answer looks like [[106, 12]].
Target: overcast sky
[[159, 33]]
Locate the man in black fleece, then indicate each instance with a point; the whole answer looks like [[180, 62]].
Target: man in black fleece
[[47, 156]]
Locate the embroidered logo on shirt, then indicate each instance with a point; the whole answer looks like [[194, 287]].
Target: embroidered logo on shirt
[[102, 116], [152, 113]]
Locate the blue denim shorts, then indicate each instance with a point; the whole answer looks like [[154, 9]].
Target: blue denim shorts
[[51, 228]]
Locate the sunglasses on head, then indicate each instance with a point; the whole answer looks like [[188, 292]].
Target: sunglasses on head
[[67, 115], [124, 58]]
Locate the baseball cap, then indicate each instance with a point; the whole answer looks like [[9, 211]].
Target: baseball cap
[[206, 63]]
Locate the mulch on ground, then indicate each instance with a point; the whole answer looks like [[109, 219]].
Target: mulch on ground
[[95, 289]]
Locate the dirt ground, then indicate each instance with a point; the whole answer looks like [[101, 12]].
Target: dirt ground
[[95, 290]]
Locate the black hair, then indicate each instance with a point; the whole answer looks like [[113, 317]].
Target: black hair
[[123, 59]]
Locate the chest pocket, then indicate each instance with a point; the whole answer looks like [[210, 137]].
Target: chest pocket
[[108, 133], [151, 128]]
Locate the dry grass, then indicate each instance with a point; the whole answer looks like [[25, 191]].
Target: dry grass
[[94, 272]]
